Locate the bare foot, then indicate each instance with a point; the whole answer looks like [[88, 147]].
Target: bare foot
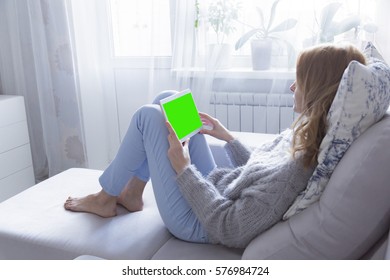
[[100, 204], [131, 196], [132, 204]]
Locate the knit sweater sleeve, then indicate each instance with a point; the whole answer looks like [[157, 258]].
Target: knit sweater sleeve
[[235, 222], [238, 152]]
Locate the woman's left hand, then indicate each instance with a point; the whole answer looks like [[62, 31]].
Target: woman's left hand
[[178, 153]]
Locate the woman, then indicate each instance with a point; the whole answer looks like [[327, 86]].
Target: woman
[[200, 202]]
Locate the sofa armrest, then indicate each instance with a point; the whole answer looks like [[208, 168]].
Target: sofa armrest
[[252, 140]]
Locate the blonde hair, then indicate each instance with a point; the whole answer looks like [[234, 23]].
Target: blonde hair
[[318, 75]]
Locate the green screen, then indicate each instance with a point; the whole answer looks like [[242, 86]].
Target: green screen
[[182, 115]]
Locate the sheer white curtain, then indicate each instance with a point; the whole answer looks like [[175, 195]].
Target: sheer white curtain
[[90, 29], [199, 53], [190, 67], [296, 24], [37, 62], [201, 27], [55, 53]]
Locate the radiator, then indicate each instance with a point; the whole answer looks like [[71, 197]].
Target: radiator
[[253, 112]]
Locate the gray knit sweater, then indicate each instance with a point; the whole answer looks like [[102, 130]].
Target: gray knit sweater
[[235, 205]]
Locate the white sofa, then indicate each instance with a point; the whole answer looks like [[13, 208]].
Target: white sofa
[[350, 221]]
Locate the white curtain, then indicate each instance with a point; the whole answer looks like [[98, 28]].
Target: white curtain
[[89, 26], [37, 61], [186, 59], [56, 53]]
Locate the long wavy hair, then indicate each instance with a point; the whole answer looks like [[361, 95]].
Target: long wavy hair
[[318, 75]]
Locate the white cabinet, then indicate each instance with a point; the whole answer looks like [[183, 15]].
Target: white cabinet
[[16, 170]]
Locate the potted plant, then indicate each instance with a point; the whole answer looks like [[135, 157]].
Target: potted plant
[[328, 28], [221, 16], [264, 36]]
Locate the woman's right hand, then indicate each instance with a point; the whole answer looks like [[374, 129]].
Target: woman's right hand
[[215, 128]]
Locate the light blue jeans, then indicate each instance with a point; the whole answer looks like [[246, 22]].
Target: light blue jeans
[[143, 153]]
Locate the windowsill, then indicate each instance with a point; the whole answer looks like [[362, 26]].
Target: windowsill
[[237, 73], [202, 72]]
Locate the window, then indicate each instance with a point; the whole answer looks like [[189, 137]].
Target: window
[[140, 27]]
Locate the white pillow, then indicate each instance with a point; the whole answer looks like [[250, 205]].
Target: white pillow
[[362, 99]]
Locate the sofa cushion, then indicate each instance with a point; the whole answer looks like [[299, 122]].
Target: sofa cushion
[[362, 99], [176, 249], [35, 225], [352, 214]]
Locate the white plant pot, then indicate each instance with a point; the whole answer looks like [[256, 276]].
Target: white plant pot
[[261, 54], [218, 56]]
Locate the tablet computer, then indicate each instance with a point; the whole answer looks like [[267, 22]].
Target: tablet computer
[[181, 112]]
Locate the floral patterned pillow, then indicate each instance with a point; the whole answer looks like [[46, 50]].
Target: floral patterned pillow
[[362, 99]]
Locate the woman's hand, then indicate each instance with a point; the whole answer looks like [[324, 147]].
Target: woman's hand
[[178, 153], [215, 128]]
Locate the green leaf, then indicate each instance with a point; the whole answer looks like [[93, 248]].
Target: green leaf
[[285, 25], [327, 15], [261, 16], [272, 15], [347, 24]]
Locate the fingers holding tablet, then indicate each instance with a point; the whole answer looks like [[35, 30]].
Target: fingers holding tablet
[[213, 127], [178, 153]]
